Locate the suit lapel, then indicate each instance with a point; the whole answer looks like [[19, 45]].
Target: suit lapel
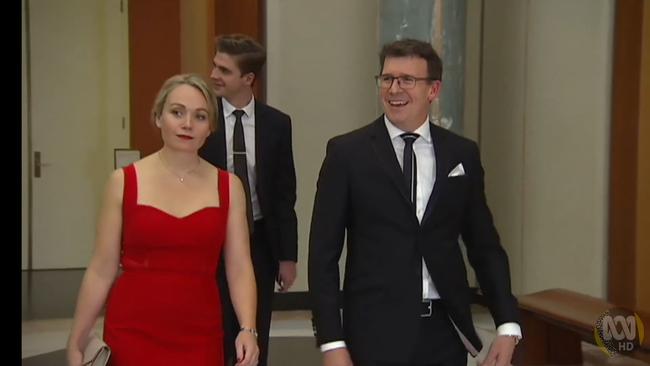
[[387, 159], [261, 143], [221, 138], [442, 162]]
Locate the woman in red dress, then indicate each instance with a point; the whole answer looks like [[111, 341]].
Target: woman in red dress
[[165, 222]]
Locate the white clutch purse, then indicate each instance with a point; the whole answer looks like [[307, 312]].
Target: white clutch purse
[[96, 352]]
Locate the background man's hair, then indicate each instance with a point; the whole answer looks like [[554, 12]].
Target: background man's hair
[[248, 53]]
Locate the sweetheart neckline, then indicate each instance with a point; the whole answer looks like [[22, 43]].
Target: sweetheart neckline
[[178, 217]]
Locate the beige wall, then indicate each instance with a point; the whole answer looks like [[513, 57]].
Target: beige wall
[[502, 112], [78, 85], [544, 138], [321, 60]]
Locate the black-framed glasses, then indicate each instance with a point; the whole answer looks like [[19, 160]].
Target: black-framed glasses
[[404, 82]]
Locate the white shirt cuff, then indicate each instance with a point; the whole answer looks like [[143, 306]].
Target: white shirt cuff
[[510, 329], [332, 345]]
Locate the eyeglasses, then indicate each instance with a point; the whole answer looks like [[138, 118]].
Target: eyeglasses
[[404, 82]]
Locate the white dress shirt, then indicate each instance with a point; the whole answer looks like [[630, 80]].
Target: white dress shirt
[[426, 178], [248, 123]]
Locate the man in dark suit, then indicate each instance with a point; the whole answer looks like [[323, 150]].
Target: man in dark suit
[[253, 140], [404, 190]]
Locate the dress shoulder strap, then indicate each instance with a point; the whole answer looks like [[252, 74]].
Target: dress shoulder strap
[[130, 195]]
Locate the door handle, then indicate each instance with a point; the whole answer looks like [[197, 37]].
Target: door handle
[[38, 164]]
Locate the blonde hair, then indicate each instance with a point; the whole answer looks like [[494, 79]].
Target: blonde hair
[[194, 80]]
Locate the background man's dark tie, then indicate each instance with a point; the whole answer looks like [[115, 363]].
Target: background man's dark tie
[[240, 164]]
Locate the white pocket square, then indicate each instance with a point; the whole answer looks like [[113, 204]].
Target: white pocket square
[[457, 171]]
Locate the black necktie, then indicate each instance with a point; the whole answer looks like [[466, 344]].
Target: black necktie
[[240, 164], [410, 169], [409, 166]]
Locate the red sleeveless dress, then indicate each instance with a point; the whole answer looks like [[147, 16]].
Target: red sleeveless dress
[[165, 309]]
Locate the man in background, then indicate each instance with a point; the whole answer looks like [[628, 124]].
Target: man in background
[[253, 140]]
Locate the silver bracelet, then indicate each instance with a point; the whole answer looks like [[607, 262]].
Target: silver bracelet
[[250, 330]]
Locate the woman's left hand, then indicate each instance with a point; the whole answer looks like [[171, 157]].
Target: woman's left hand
[[247, 349]]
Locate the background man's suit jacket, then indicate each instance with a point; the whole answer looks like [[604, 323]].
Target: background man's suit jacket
[[276, 176], [361, 188]]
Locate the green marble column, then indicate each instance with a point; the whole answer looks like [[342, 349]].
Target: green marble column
[[441, 23]]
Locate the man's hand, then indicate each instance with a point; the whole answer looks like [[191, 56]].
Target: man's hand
[[501, 351], [337, 357], [286, 275]]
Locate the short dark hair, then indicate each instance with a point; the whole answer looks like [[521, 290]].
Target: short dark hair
[[413, 48], [248, 53]]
